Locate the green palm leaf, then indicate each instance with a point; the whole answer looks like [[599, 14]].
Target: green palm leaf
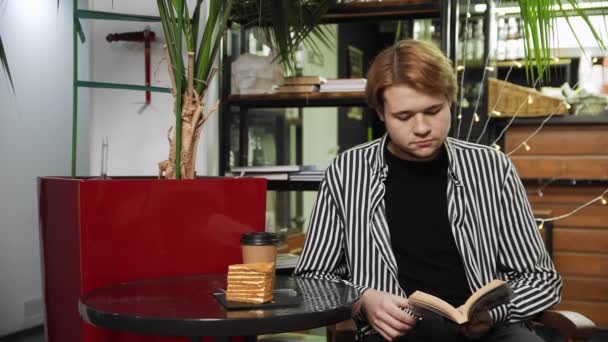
[[286, 24], [539, 20]]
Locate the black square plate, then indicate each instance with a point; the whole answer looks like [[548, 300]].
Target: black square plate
[[282, 298]]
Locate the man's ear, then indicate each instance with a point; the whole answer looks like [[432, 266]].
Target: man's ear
[[380, 114]]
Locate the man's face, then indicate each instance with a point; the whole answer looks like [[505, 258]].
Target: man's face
[[417, 123]]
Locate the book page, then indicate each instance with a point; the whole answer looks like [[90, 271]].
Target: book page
[[426, 302]]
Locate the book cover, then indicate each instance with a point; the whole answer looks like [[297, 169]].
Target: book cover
[[309, 80]]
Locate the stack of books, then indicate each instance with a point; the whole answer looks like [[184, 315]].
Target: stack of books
[[280, 172], [301, 84], [343, 85]]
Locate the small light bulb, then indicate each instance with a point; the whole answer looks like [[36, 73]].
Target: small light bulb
[[556, 59], [517, 64], [497, 113], [460, 67], [459, 116], [594, 60], [527, 147], [496, 147], [530, 99], [490, 68], [476, 117], [468, 14], [540, 193], [604, 201], [541, 225], [567, 105]]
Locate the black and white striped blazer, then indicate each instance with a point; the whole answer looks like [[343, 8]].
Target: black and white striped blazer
[[348, 237]]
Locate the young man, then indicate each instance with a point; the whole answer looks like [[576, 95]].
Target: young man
[[416, 210]]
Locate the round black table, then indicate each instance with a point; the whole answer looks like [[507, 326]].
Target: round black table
[[186, 306]]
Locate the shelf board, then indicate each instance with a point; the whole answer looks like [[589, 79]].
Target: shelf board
[[508, 63], [283, 100], [277, 185], [391, 9], [101, 15], [373, 10], [601, 119]]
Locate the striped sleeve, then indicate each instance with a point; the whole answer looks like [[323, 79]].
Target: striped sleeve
[[323, 254], [523, 258]]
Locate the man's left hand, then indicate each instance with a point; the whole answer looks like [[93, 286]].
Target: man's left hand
[[478, 326]]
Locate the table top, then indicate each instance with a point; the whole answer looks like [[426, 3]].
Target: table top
[[185, 306]]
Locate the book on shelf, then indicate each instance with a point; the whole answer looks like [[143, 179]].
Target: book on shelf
[[346, 81], [303, 88], [307, 80], [341, 88], [493, 294], [287, 260], [266, 169], [268, 176], [344, 85]]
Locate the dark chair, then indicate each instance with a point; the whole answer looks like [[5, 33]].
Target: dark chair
[[571, 325]]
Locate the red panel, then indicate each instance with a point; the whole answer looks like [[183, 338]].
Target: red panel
[[60, 258], [134, 229]]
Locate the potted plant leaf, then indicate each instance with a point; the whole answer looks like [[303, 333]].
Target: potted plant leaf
[[190, 80]]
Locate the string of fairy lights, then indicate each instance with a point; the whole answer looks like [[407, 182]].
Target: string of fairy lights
[[529, 100]]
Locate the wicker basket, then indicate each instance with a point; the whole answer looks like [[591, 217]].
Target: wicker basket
[[515, 100]]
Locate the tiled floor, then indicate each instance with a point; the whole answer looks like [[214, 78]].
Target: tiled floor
[[37, 335]]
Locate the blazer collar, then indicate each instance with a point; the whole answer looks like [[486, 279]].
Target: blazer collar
[[380, 166]]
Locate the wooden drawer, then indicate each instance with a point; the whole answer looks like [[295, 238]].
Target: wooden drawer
[[581, 264], [568, 152], [580, 240], [567, 167], [593, 216], [559, 140], [585, 288]]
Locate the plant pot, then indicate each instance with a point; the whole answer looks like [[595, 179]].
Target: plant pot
[[95, 233]]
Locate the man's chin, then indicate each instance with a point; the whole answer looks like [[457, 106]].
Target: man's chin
[[425, 154]]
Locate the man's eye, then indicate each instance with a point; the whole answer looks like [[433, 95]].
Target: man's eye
[[433, 112]]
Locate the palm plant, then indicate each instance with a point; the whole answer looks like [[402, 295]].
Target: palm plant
[[539, 20], [286, 24], [189, 81]]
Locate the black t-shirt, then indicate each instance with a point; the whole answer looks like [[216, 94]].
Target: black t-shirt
[[420, 230]]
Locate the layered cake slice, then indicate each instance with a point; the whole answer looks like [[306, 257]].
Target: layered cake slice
[[250, 283]]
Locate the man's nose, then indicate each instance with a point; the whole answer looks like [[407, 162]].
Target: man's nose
[[421, 126]]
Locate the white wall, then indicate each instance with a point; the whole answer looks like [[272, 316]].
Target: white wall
[[137, 141], [567, 45], [35, 140], [320, 125]]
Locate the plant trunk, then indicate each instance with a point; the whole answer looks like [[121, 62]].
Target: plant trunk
[[192, 121]]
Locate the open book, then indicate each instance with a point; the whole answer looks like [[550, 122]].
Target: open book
[[493, 294]]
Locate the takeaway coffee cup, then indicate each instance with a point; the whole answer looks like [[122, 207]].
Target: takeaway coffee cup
[[259, 247]]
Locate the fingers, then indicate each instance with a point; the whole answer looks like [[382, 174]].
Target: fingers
[[387, 332], [395, 323]]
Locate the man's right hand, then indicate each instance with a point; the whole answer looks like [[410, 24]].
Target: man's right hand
[[384, 313]]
